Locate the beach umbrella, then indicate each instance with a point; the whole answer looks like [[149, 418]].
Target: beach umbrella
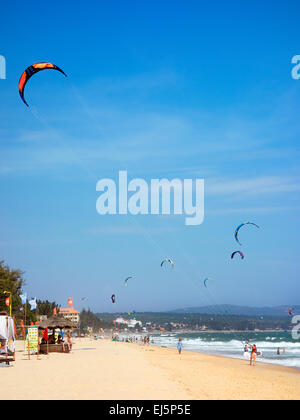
[[54, 322]]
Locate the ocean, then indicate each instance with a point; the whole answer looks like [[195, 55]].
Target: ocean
[[231, 344]]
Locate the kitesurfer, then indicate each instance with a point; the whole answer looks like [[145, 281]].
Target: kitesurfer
[[253, 354]]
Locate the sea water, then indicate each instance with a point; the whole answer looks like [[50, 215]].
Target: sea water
[[231, 344]]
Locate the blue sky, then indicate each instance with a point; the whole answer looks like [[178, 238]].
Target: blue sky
[[160, 89]]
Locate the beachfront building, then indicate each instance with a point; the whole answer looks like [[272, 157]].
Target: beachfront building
[[130, 323], [70, 314]]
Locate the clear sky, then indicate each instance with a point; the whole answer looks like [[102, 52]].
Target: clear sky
[[160, 89]]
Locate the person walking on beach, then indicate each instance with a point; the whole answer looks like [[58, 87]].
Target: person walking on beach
[[253, 354], [179, 345]]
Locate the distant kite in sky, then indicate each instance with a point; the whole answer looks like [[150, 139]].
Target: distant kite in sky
[[206, 280], [169, 261], [239, 227], [237, 252], [113, 299], [126, 280], [32, 70]]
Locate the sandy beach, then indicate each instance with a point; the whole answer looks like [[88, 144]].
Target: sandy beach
[[111, 370]]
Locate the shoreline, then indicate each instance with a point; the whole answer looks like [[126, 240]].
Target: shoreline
[[259, 361], [279, 361], [212, 331]]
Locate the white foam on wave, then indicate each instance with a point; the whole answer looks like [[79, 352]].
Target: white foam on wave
[[235, 348]]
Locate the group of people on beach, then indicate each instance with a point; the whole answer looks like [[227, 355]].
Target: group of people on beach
[[58, 338], [142, 340], [254, 353], [253, 350]]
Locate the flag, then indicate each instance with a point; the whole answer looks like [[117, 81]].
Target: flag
[[23, 298], [33, 304], [54, 311], [70, 302], [23, 327], [45, 334], [7, 301]]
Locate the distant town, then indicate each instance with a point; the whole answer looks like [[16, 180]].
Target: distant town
[[154, 322]]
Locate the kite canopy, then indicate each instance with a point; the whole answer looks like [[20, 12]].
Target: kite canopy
[[169, 261], [206, 280], [126, 280], [113, 298], [237, 252], [239, 227], [32, 70]]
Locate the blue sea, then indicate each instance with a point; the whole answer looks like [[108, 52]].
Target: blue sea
[[231, 344]]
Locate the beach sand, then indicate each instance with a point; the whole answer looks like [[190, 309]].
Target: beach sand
[[107, 370]]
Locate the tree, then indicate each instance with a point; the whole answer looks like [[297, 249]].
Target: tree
[[89, 319], [46, 308], [11, 280]]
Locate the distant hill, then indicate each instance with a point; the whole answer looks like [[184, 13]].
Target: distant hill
[[239, 310]]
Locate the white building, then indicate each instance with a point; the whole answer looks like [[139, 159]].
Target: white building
[[70, 314], [131, 323]]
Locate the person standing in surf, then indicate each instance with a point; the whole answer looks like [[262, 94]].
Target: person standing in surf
[[179, 345]]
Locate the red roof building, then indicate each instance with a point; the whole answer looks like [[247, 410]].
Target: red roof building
[[71, 314]]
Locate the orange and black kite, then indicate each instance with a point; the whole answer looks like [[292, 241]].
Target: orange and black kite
[[31, 71]]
